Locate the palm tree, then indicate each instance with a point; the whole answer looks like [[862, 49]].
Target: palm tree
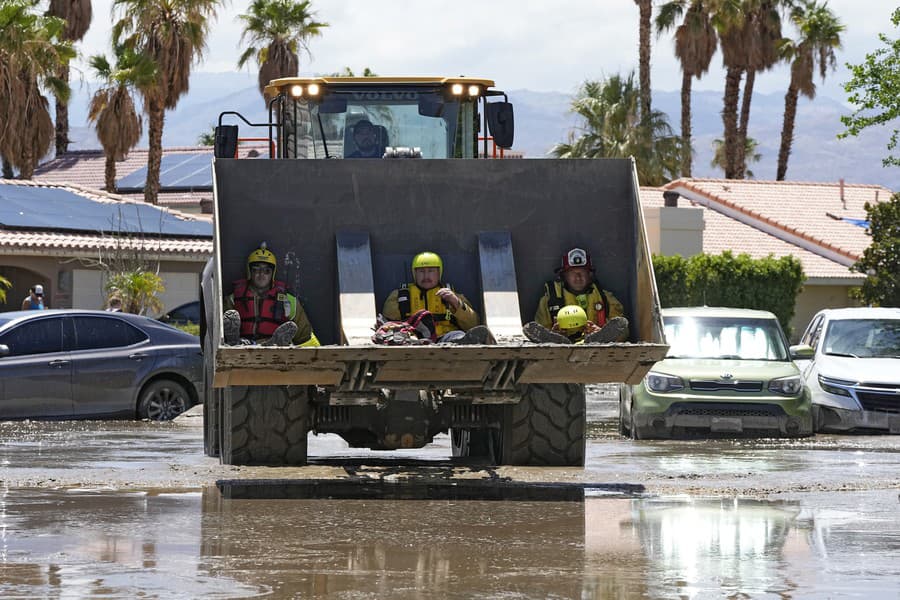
[[5, 284], [820, 35], [695, 45], [277, 31], [612, 129], [31, 52], [645, 9], [77, 15], [763, 37], [729, 19], [112, 108], [172, 33], [750, 151]]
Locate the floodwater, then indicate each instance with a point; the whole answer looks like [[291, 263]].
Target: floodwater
[[121, 510]]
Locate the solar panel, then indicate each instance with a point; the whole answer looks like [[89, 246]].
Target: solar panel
[[177, 172], [34, 207]]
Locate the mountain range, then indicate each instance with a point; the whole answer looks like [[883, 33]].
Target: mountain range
[[543, 119]]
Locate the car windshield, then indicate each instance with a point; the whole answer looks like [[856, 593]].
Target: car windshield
[[361, 124], [863, 338], [733, 338]]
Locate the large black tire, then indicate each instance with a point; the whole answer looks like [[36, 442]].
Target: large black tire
[[264, 425], [163, 400], [546, 428]]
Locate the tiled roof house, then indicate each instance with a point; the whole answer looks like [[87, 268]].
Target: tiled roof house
[[818, 223], [71, 229], [86, 168]]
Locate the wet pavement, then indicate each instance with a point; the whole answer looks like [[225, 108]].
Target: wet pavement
[[122, 509]]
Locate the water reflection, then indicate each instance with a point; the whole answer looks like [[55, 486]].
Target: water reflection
[[114, 544], [693, 547]]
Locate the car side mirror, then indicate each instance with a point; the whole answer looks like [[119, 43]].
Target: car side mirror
[[802, 352], [4, 350], [500, 122], [226, 141]]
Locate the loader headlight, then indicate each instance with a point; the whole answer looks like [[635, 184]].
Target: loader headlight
[[296, 91], [457, 89], [474, 90], [313, 89], [662, 382], [786, 386]]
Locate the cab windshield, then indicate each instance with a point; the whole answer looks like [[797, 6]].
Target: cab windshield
[[724, 338], [363, 123]]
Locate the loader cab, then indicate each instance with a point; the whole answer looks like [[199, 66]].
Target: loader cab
[[380, 117]]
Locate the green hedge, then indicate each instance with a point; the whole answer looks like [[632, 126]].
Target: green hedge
[[726, 280]]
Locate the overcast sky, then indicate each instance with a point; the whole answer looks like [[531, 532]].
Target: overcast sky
[[533, 44]]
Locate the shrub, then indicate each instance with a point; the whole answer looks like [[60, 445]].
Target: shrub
[[740, 281]]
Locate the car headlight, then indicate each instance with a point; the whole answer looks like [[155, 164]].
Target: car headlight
[[661, 382], [833, 386], [788, 386]]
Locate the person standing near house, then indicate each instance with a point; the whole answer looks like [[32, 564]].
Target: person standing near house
[[35, 299], [114, 304]]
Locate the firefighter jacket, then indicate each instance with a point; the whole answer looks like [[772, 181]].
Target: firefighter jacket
[[410, 298], [262, 314], [599, 305]]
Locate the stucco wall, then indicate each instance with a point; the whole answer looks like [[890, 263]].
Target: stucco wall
[[814, 298], [71, 284]]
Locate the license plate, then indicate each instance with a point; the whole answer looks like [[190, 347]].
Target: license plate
[[726, 424]]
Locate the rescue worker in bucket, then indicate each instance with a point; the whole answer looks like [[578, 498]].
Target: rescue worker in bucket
[[575, 286], [262, 311], [455, 320]]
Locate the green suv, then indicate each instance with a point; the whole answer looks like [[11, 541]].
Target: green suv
[[728, 372]]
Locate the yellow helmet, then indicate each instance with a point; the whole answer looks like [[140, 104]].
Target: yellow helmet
[[428, 259], [262, 255], [571, 318]]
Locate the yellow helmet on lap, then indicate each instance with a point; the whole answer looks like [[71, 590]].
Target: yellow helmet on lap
[[262, 255], [571, 319], [428, 259]]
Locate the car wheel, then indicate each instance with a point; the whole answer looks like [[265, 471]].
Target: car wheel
[[163, 400]]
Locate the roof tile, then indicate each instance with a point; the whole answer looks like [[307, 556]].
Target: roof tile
[[723, 233]]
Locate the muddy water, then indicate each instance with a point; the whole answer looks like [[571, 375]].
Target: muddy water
[[94, 543], [120, 509]]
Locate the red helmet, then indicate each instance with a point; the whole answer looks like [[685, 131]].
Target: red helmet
[[574, 258]]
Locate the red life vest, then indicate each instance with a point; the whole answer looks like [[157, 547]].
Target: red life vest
[[271, 310]]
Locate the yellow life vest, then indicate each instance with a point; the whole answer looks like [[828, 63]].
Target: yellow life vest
[[411, 299], [593, 301]]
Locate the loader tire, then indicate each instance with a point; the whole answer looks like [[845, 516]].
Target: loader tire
[[546, 428], [265, 425]]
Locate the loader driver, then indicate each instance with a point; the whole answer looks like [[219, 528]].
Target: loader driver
[[575, 286], [262, 311], [365, 136], [454, 319]]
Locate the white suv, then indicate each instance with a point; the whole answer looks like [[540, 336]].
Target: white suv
[[850, 359]]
